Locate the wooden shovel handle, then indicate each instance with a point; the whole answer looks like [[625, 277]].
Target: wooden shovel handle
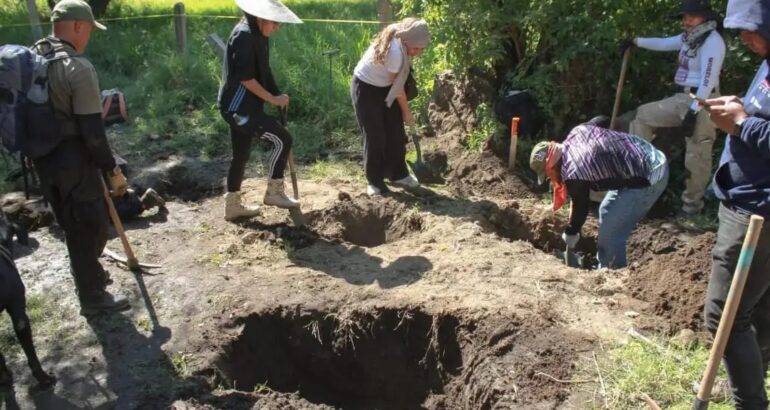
[[619, 89], [131, 260], [730, 310]]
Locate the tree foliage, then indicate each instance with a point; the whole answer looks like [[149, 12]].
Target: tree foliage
[[565, 51]]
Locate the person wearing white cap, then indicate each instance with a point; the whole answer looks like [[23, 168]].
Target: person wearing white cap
[[247, 84], [378, 82]]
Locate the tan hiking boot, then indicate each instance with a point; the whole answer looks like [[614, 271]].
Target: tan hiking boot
[[234, 209], [276, 196]]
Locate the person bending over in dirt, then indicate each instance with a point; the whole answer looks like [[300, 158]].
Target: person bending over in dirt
[[247, 84], [631, 169], [71, 174], [742, 184], [378, 82], [130, 205], [701, 53]]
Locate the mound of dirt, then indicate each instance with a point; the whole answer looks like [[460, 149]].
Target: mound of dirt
[[365, 221], [452, 109], [486, 175], [670, 270]]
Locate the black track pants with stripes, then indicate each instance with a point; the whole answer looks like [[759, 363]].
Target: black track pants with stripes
[[268, 130]]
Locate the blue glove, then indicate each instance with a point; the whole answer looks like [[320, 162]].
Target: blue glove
[[570, 240]]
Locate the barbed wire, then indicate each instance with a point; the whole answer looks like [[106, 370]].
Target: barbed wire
[[207, 16]]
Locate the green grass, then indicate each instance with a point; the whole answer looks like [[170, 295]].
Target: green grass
[[174, 97], [46, 320], [629, 369]]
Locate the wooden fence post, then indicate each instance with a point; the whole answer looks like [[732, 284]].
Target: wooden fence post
[[34, 20], [180, 27], [384, 13]]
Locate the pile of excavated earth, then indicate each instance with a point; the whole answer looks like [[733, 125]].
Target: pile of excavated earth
[[448, 297]]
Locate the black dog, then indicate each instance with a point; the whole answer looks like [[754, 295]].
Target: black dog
[[13, 300]]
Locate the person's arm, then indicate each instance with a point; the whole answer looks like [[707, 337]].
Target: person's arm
[[244, 66], [403, 103], [87, 112], [755, 132], [673, 43], [264, 67], [579, 191], [256, 88], [712, 56]]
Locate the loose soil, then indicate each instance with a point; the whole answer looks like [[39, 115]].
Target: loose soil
[[454, 297]]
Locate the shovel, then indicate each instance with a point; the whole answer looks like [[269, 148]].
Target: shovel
[[419, 168], [130, 260], [294, 213], [728, 314]]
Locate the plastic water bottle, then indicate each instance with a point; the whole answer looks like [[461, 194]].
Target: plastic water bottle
[[240, 120]]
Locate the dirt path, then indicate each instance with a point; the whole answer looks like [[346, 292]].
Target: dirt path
[[406, 302]]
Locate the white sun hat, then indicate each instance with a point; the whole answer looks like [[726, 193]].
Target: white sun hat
[[272, 10]]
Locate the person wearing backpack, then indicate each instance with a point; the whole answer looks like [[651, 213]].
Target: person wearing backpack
[[247, 84], [71, 173], [701, 54]]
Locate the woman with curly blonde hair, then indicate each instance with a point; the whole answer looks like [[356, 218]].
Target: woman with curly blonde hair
[[378, 82]]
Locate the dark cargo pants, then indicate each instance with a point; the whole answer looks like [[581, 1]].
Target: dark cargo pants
[[71, 183], [748, 348]]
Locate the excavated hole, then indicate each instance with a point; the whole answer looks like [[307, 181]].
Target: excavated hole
[[387, 359], [365, 222], [541, 228]]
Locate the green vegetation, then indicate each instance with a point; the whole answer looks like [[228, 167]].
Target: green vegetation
[[629, 369], [46, 319]]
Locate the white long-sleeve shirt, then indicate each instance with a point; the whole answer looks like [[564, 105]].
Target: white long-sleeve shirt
[[701, 71]]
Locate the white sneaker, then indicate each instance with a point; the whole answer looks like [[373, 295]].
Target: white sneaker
[[407, 182], [372, 190]]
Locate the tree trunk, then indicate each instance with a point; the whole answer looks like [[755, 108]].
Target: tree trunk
[[99, 7]]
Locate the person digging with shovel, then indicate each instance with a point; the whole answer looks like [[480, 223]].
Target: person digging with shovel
[[592, 157], [742, 184], [247, 84], [378, 82], [701, 54]]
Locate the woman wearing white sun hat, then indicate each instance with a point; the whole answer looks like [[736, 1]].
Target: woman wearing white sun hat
[[246, 85]]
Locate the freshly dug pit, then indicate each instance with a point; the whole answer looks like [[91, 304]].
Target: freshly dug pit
[[386, 359], [186, 178], [365, 222], [541, 228]]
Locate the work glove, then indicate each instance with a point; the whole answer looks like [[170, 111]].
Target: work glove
[[625, 44], [118, 183], [570, 240], [688, 123]]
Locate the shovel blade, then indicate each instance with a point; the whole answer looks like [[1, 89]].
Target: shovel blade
[[297, 217]]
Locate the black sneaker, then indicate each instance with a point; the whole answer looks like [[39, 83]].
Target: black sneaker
[[107, 302]]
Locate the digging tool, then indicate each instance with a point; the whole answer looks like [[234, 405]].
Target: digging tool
[[294, 213], [514, 143], [131, 260], [420, 169], [619, 89], [728, 314]]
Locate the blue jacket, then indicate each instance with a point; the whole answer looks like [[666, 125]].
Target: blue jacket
[[743, 177]]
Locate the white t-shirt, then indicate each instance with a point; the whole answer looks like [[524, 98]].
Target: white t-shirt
[[701, 71], [378, 75]]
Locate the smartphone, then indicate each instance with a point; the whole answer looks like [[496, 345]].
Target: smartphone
[[701, 101]]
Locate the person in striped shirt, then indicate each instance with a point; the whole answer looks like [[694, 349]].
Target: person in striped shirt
[[592, 157]]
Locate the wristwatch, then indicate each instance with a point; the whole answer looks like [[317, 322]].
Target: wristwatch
[[739, 127]]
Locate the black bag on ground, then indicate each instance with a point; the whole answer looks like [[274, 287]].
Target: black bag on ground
[[519, 103]]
